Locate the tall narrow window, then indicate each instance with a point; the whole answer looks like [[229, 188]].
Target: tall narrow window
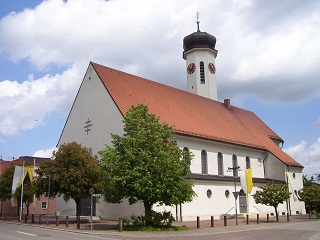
[[248, 163], [235, 164], [202, 77], [204, 165], [184, 155], [220, 164]]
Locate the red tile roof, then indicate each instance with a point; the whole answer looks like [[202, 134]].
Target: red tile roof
[[191, 114]]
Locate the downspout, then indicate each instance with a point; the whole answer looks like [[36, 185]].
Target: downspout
[[287, 182], [264, 168]]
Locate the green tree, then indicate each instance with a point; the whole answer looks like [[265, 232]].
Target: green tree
[[308, 182], [74, 171], [272, 195], [145, 164], [6, 184], [310, 194]]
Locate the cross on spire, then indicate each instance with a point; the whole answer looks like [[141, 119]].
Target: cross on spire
[[198, 21]]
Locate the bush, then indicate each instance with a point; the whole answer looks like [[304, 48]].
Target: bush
[[157, 219]]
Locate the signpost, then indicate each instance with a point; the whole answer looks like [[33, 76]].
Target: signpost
[[91, 192]]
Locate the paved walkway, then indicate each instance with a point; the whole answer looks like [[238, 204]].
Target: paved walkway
[[109, 227]]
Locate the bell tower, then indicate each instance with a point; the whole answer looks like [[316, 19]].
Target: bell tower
[[200, 54]]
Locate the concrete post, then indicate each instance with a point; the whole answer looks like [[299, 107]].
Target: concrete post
[[198, 222], [120, 224]]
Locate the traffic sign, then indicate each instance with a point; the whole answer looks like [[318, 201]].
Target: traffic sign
[[235, 194]]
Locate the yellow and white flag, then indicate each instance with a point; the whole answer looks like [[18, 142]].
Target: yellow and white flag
[[19, 175], [246, 180]]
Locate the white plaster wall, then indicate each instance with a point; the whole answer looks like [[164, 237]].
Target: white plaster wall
[[115, 211], [66, 208], [295, 183], [274, 168], [227, 150], [209, 89], [93, 102]]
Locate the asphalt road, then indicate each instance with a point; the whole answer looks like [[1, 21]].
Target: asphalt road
[[285, 231], [11, 231]]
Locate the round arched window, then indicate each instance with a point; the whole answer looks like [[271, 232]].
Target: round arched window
[[209, 193], [293, 175]]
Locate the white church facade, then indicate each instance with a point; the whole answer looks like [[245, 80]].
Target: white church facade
[[220, 135]]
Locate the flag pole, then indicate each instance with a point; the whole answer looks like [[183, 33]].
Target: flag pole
[[21, 198], [34, 196]]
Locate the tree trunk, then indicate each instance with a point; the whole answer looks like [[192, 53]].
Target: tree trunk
[[309, 205], [78, 210], [27, 209], [277, 214], [147, 212]]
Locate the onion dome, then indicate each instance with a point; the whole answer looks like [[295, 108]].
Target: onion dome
[[199, 40]]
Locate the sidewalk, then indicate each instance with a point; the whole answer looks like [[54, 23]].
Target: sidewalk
[[107, 226]]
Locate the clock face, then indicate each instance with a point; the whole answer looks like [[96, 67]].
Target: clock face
[[212, 68], [191, 68]]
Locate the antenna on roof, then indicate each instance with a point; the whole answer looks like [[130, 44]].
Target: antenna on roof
[[198, 21]]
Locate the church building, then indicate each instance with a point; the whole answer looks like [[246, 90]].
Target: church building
[[225, 140]]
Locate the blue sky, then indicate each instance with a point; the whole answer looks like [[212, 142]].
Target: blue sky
[[268, 61]]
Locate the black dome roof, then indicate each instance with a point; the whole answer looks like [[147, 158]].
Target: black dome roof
[[199, 40]]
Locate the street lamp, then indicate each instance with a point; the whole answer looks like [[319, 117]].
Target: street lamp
[[48, 176], [235, 193]]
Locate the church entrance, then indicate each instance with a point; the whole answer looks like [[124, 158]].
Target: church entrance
[[243, 202], [86, 208]]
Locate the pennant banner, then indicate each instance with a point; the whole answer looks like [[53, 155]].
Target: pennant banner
[[246, 180], [19, 175], [249, 180], [30, 170]]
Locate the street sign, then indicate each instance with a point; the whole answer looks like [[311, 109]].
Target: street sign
[[235, 194], [91, 191]]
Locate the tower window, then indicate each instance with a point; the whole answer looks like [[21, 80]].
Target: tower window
[[202, 77]]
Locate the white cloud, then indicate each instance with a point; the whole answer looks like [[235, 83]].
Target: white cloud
[[259, 48], [27, 104], [308, 156], [47, 153]]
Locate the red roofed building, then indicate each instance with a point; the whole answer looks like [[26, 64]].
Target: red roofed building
[[38, 207], [220, 135]]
